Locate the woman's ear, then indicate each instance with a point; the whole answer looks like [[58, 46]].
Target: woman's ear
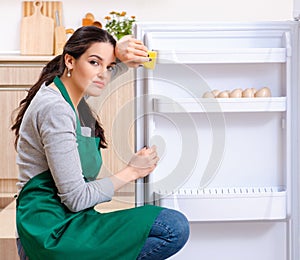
[[69, 61]]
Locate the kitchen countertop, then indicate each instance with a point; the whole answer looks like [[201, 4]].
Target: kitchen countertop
[[26, 58]]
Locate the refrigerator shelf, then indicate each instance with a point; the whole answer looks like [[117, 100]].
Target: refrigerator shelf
[[206, 105], [230, 55], [226, 204]]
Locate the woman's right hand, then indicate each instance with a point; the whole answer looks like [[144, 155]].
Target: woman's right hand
[[144, 161], [141, 165]]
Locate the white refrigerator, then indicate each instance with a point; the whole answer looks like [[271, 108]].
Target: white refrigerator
[[230, 164]]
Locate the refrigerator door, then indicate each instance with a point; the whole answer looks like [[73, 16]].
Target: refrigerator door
[[295, 227], [228, 161]]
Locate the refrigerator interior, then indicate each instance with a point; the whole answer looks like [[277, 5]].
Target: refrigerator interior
[[225, 162]]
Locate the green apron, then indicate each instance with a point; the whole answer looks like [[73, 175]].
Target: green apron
[[48, 230]]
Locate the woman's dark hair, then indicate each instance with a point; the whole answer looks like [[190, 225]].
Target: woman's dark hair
[[78, 43]]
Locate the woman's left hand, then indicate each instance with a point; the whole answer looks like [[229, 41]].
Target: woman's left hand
[[131, 51]]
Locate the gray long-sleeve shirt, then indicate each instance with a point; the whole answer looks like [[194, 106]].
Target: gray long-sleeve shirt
[[48, 141]]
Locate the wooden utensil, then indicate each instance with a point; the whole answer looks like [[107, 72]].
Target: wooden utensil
[[60, 36], [37, 33]]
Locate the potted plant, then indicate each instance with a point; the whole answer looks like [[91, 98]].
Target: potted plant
[[118, 24]]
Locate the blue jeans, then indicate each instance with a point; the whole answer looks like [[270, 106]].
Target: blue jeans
[[169, 233]]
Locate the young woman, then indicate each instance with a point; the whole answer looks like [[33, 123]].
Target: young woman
[[58, 141]]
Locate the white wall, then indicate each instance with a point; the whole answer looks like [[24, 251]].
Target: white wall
[[146, 10]]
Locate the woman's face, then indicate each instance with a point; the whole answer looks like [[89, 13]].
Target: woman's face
[[92, 71]]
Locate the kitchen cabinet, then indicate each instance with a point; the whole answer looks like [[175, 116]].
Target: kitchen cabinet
[[227, 163], [9, 99], [17, 74]]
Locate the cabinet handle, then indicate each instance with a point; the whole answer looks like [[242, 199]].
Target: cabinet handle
[[14, 89], [12, 65]]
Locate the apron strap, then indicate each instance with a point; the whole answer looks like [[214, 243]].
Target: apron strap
[[66, 96]]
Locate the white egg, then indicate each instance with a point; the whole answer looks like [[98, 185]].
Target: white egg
[[263, 92], [248, 93], [223, 94], [208, 94], [236, 93]]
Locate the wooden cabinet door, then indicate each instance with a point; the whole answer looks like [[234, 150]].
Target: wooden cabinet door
[[10, 99], [17, 73]]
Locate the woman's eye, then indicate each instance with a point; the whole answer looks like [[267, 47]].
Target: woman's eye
[[94, 62], [110, 68]]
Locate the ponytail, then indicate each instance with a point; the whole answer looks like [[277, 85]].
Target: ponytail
[[53, 68]]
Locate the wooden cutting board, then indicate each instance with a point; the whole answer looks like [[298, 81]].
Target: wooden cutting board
[[37, 33], [49, 8]]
